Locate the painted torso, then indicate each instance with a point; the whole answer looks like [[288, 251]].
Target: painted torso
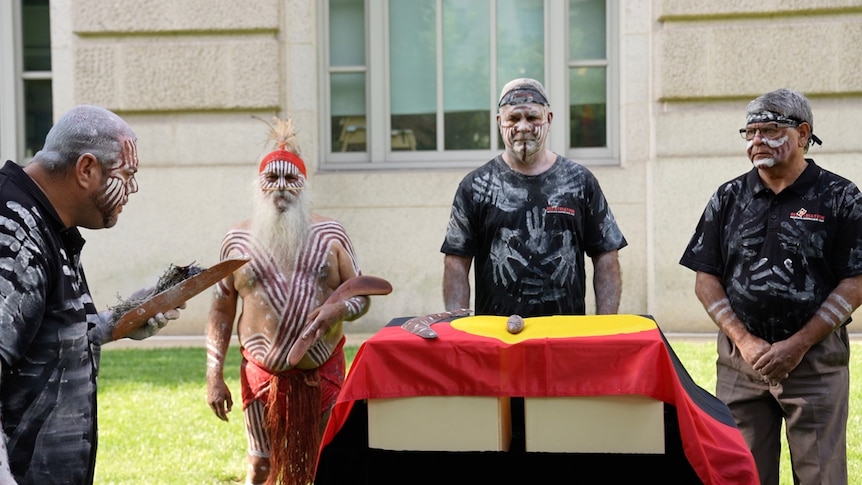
[[276, 301]]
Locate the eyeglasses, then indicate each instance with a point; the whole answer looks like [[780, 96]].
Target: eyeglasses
[[766, 131]]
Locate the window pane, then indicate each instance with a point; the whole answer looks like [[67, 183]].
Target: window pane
[[413, 72], [444, 64], [588, 107], [37, 115], [466, 74], [36, 35], [586, 29], [346, 33], [520, 40], [348, 112], [347, 89]]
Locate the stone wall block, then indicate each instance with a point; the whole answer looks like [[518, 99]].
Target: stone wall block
[[171, 76]]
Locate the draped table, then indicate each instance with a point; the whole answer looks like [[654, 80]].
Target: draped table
[[562, 357]]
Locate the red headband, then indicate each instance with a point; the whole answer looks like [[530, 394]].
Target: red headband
[[283, 155]]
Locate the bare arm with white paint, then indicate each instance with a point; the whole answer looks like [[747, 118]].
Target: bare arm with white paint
[[219, 331], [456, 282], [785, 355], [712, 296], [607, 282]]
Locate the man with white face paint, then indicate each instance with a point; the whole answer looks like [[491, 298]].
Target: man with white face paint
[[778, 262], [297, 260], [527, 218], [50, 331]]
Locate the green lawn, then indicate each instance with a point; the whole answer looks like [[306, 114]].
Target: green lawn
[[156, 427]]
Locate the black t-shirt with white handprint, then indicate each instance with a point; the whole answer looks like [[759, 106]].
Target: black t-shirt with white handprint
[[528, 236]]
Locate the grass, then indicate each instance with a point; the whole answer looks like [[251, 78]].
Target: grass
[[156, 427]]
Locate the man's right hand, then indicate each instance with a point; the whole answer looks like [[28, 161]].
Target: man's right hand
[[218, 397], [752, 348]]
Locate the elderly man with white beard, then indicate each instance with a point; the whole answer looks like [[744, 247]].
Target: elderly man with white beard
[[297, 259]]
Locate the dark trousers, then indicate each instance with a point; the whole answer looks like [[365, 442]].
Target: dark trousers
[[812, 403]]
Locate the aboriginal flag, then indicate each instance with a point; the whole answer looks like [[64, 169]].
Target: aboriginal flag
[[557, 356]]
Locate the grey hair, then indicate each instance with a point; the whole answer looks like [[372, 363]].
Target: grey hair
[[788, 103], [84, 129]]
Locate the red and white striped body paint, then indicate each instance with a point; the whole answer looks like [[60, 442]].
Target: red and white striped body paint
[[276, 302]]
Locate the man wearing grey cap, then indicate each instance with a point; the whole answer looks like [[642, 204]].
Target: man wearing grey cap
[[778, 257], [527, 218]]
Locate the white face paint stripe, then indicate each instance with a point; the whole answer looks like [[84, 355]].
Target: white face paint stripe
[[114, 192], [765, 163], [541, 131], [281, 169], [130, 154], [776, 143], [121, 179]]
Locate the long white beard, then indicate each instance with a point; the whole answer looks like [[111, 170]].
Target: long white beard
[[282, 233]]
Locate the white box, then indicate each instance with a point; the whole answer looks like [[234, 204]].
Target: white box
[[440, 423], [594, 424]]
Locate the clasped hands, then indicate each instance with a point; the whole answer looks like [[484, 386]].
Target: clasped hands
[[773, 361]]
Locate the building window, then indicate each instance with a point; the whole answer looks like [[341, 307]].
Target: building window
[[414, 83], [26, 61]]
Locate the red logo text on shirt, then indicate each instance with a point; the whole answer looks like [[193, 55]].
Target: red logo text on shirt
[[803, 215], [555, 209]]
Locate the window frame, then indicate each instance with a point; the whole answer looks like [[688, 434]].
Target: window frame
[[12, 121], [11, 84], [379, 154]]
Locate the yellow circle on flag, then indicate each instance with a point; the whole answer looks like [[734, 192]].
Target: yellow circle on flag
[[556, 326]]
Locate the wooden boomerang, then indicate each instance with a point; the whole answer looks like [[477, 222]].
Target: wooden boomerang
[[361, 285], [174, 296], [421, 325]]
